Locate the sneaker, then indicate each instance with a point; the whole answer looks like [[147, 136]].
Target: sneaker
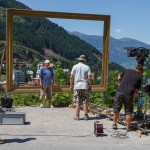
[[86, 117], [77, 117], [128, 130], [41, 105], [51, 106], [114, 126], [2, 142]]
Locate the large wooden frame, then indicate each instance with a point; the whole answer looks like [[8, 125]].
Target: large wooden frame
[[45, 14]]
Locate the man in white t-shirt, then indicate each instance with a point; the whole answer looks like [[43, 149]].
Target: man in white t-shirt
[[80, 85]]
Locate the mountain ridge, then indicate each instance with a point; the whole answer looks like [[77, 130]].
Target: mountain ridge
[[40, 34], [117, 51]]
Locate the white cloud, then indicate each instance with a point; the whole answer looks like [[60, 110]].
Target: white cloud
[[118, 30]]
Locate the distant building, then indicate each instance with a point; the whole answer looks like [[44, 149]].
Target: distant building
[[30, 73], [18, 76], [39, 66]]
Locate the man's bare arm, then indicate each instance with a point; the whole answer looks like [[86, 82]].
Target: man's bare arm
[[71, 81], [40, 80], [90, 82], [136, 93], [119, 77]]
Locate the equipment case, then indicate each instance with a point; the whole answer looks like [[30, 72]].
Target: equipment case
[[10, 117]]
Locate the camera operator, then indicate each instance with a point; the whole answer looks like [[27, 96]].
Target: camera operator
[[130, 83]]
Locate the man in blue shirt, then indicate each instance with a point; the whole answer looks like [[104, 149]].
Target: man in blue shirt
[[46, 78]]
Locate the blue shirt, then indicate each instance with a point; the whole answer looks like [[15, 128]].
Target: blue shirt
[[46, 74]]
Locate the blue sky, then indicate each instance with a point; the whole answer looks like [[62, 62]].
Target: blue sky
[[129, 18]]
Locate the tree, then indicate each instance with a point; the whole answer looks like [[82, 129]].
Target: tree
[[59, 74], [108, 96]]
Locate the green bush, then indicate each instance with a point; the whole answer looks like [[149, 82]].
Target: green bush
[[61, 99], [109, 94], [95, 98], [58, 99], [108, 97], [25, 99]]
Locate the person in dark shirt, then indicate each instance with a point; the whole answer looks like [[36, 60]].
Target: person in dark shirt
[[128, 89]]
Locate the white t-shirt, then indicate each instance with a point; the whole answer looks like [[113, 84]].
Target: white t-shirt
[[81, 72]]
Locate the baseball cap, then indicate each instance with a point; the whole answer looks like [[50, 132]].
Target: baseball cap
[[47, 61]]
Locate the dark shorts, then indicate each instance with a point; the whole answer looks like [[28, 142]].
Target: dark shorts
[[123, 99], [81, 96]]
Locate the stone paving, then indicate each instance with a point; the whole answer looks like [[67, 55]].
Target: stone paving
[[54, 128]]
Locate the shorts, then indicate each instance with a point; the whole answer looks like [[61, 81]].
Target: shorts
[[45, 91], [123, 99], [80, 97]]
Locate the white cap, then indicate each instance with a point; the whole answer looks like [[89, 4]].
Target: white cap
[[47, 61]]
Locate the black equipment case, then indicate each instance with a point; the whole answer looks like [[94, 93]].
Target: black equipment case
[[6, 102]]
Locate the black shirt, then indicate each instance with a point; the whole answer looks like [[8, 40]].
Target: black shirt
[[131, 80]]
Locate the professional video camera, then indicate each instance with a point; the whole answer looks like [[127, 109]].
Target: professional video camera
[[140, 53]]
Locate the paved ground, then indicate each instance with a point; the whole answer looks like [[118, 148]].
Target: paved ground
[[55, 129]]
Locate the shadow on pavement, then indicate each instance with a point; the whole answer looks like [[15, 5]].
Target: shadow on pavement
[[27, 123], [18, 140], [94, 118]]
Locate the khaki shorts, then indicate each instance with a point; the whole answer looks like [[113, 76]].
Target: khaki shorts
[[80, 97], [45, 91]]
